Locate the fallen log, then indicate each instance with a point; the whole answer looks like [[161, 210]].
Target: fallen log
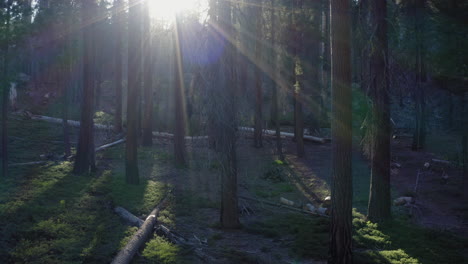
[[125, 255], [286, 134], [130, 218], [28, 163], [282, 205], [71, 123], [103, 147], [171, 136]]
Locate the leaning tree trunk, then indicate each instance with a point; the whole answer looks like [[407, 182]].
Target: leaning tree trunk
[[85, 152], [6, 92], [341, 187], [380, 129], [258, 78], [179, 102], [134, 83]]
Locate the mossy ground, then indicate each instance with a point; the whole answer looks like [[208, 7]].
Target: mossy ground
[[49, 215]]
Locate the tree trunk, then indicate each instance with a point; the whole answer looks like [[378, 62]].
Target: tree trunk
[[84, 156], [118, 28], [299, 89], [465, 145], [325, 62], [258, 77], [148, 80], [6, 94], [226, 136], [419, 138], [274, 87], [67, 86], [134, 83], [341, 187], [126, 254], [179, 102], [379, 195]]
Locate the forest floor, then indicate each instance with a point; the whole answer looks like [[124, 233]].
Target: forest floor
[[49, 215]]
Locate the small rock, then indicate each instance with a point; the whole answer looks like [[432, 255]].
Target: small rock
[[403, 200]]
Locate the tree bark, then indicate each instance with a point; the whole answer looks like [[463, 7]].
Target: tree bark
[[179, 102], [341, 186], [258, 77], [134, 83], [84, 156], [379, 195], [148, 80]]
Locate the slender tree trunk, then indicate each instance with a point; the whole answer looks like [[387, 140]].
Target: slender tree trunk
[[68, 67], [6, 92], [341, 187], [148, 80], [464, 120], [325, 61], [179, 102], [274, 87], [419, 138], [258, 78], [134, 83], [84, 161], [118, 28], [299, 89], [379, 195], [226, 136]]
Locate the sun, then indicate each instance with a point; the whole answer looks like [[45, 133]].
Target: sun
[[166, 9]]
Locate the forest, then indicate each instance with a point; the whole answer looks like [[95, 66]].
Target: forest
[[234, 131]]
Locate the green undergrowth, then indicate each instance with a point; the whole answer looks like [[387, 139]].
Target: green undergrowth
[[54, 216], [395, 242], [50, 215]]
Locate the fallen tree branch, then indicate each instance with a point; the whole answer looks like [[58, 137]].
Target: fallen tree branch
[[103, 147], [286, 134], [125, 255], [282, 205]]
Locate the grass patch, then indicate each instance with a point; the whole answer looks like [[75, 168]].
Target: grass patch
[[399, 241], [310, 233], [159, 250], [57, 217]]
